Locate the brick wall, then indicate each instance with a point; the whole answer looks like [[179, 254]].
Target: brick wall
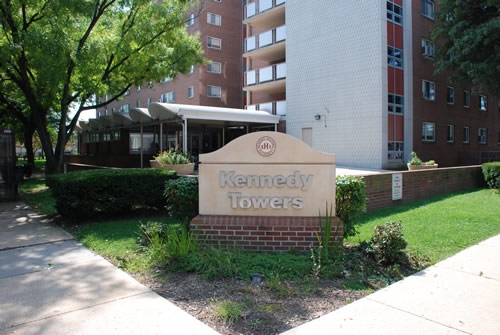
[[422, 184], [261, 233]]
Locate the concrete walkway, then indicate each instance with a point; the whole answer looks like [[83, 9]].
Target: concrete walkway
[[50, 284], [460, 295]]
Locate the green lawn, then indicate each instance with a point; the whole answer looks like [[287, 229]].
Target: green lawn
[[441, 226]]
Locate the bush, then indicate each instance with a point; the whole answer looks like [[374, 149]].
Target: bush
[[491, 173], [182, 198], [350, 199], [387, 244], [85, 194]]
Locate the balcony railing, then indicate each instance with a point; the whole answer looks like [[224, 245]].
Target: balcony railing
[[260, 6], [273, 107], [266, 38], [266, 74]]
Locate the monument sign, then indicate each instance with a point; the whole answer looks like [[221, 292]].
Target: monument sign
[[265, 191], [266, 174]]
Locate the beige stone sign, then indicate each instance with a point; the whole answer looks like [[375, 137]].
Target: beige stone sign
[[266, 174]]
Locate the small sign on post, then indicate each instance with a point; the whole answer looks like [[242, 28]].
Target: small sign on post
[[397, 186]]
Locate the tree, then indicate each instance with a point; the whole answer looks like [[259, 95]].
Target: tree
[[468, 40], [55, 54]]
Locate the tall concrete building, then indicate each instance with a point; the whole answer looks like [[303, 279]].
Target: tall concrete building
[[356, 78]]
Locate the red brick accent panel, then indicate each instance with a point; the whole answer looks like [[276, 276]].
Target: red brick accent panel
[[261, 233], [422, 184]]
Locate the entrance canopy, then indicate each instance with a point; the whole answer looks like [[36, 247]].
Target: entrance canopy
[[164, 112]]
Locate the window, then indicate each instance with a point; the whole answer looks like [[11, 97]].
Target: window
[[191, 70], [190, 92], [214, 19], [214, 67], [213, 91], [138, 103], [168, 97], [466, 134], [394, 13], [466, 99], [214, 43], [428, 90], [428, 132], [139, 88], [482, 136], [428, 48], [395, 103], [124, 108], [394, 57], [428, 9], [191, 20], [166, 80], [127, 92], [483, 103], [450, 133], [450, 96], [150, 100], [150, 84]]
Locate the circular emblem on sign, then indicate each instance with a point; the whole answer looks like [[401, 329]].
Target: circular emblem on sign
[[266, 146]]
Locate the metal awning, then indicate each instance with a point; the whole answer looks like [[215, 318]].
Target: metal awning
[[158, 113], [166, 111]]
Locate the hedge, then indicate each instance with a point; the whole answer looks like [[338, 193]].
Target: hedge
[[491, 173], [84, 194]]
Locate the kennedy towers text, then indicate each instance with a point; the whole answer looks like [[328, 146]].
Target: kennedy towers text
[[238, 200]]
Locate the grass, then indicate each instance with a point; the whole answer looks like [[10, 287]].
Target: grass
[[441, 226], [36, 194]]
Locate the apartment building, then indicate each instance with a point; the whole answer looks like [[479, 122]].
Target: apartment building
[[356, 79], [352, 78]]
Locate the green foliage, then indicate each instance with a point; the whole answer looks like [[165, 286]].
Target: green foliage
[[491, 173], [326, 228], [415, 160], [174, 156], [181, 195], [469, 30], [387, 244], [461, 220], [58, 55], [85, 194], [217, 263], [229, 311], [351, 198]]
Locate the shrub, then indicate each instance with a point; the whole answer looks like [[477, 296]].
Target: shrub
[[85, 194], [350, 199], [491, 173], [182, 198], [174, 156], [387, 244]]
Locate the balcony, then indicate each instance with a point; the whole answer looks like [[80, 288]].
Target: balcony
[[267, 45], [270, 79], [265, 12], [273, 107]]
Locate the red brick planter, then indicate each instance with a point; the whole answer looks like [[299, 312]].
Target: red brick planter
[[262, 233]]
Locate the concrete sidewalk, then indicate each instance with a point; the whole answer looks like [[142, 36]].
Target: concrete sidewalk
[[50, 284], [460, 295]]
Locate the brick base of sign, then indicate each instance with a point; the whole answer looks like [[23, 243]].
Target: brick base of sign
[[260, 233]]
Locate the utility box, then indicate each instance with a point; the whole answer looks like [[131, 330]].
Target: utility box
[[8, 181]]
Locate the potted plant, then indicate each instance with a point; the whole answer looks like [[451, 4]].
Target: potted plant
[[174, 159], [416, 163]]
